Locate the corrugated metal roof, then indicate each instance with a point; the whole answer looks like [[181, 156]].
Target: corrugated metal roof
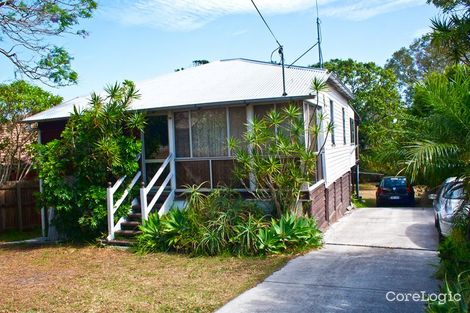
[[225, 81]]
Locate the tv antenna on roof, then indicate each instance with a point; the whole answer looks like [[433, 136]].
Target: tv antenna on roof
[[280, 49], [318, 43]]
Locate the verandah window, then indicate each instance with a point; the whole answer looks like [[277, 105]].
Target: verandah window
[[209, 133], [205, 133], [202, 153]]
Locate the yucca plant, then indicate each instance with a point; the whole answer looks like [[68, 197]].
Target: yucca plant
[[277, 162], [210, 242], [247, 231]]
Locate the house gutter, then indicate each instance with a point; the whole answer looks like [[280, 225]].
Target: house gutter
[[194, 106]]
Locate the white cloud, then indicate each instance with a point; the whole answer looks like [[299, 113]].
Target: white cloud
[[240, 32], [421, 31], [185, 15], [360, 10]]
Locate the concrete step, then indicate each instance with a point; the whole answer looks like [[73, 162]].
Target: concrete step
[[130, 225], [137, 217], [127, 233]]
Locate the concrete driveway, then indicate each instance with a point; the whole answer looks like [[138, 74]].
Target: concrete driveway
[[368, 254]]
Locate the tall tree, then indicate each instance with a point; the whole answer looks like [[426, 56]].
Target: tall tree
[[377, 102], [26, 28], [411, 64], [452, 30], [438, 140], [19, 100]]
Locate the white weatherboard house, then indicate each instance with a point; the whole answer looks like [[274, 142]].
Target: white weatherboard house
[[192, 113]]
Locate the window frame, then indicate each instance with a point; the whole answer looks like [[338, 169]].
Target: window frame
[[209, 159], [332, 123], [352, 130], [344, 125]]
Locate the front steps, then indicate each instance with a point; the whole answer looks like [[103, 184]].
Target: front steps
[[126, 236]]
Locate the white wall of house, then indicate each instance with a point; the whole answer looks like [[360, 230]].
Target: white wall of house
[[340, 155]]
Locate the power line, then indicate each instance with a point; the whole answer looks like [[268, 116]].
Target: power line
[[318, 43], [308, 50], [265, 23], [280, 49]]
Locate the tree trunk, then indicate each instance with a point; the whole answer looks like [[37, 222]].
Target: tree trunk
[[52, 234]]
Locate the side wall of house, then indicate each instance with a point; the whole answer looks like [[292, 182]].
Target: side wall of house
[[339, 156], [331, 198]]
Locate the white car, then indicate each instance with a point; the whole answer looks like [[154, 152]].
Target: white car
[[449, 198]]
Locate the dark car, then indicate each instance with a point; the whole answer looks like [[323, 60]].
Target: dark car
[[394, 190]]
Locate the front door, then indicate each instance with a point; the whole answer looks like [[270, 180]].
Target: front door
[[156, 146]]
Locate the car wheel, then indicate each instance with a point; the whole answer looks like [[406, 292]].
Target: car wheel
[[439, 231]]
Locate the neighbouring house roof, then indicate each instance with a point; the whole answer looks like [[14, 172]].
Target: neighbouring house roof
[[219, 82]]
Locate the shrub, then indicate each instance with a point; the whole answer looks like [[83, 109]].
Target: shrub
[[95, 147], [454, 254], [450, 289], [224, 223], [278, 161], [454, 268]]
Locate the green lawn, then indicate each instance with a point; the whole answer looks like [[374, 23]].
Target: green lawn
[[63, 278], [16, 235]]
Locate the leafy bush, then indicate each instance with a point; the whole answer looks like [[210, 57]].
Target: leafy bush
[[95, 147], [454, 268], [224, 223], [450, 289], [454, 254]]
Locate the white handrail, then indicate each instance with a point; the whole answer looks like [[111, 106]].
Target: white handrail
[[166, 206], [126, 192], [157, 174], [118, 183], [159, 191], [112, 207], [144, 205]]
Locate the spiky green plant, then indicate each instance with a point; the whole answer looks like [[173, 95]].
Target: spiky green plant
[[438, 141], [278, 161]]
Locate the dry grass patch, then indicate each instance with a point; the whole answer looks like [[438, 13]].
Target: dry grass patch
[[90, 279]]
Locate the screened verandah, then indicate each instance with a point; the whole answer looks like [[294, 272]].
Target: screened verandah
[[198, 140]]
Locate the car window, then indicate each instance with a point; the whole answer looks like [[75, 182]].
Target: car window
[[394, 182], [455, 192]]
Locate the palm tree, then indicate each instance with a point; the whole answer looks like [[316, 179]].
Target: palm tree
[[451, 31], [440, 145]]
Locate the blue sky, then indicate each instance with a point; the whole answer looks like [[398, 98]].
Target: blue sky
[[141, 39]]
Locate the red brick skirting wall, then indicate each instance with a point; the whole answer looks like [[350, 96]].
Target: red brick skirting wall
[[318, 205], [330, 204]]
